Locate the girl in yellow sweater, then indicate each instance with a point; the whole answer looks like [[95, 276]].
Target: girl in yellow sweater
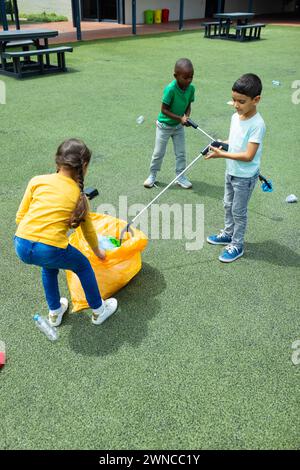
[[51, 205]]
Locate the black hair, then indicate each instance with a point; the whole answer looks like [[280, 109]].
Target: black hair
[[183, 64], [248, 84], [74, 154]]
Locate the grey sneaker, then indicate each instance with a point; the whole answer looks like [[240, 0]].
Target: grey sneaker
[[184, 182], [107, 308], [55, 316], [150, 181]]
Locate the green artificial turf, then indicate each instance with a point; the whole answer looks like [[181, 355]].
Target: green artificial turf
[[199, 354]]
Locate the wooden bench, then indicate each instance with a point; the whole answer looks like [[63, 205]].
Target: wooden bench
[[241, 31], [215, 24], [21, 68]]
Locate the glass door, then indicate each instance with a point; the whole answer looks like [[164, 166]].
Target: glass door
[[108, 10], [99, 10], [90, 9]]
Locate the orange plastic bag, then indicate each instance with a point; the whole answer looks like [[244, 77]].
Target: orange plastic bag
[[120, 265]]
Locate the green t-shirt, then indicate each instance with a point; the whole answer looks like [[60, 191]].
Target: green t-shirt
[[178, 100]]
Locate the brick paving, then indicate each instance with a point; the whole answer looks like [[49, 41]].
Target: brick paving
[[94, 30]]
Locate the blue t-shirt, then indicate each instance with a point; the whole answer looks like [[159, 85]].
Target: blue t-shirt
[[242, 132]]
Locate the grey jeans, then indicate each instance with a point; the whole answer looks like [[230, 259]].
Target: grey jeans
[[163, 134], [236, 197]]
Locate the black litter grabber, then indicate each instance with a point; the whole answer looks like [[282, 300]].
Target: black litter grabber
[[266, 185]]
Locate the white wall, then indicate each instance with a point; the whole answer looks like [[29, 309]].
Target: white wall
[[61, 7], [192, 9]]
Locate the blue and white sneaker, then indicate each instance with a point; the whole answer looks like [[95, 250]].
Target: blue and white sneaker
[[150, 181], [231, 253], [184, 182], [220, 239]]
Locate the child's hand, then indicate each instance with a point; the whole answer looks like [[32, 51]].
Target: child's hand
[[214, 152], [184, 119]]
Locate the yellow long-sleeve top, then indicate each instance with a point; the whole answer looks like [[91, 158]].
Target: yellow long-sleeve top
[[45, 210]]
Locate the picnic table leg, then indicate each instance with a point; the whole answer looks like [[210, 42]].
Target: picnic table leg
[[227, 26], [47, 55], [63, 61], [26, 59], [220, 26], [59, 63], [17, 67], [41, 63], [3, 60], [258, 32]]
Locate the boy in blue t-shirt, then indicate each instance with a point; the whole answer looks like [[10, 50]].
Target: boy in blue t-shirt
[[246, 135], [175, 110]]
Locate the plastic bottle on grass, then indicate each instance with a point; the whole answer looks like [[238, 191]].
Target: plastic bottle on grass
[[108, 243], [43, 325], [140, 120], [2, 353]]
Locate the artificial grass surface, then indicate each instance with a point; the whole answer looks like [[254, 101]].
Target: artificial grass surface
[[199, 354]]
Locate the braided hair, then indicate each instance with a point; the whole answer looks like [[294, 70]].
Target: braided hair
[[75, 155]]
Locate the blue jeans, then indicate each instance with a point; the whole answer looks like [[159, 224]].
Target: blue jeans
[[51, 259], [236, 197], [163, 134]]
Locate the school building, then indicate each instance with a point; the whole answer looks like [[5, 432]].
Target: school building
[[128, 11]]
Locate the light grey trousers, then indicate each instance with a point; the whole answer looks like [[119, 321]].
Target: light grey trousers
[[163, 134]]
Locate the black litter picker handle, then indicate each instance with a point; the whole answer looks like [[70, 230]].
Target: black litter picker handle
[[192, 123], [215, 143], [91, 192]]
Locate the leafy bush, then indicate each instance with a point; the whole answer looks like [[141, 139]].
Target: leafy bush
[[43, 17]]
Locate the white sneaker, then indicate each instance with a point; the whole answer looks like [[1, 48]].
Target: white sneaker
[[150, 181], [107, 308], [184, 182], [55, 316]]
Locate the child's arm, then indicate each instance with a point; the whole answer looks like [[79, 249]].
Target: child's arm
[[246, 156], [25, 203], [91, 236], [165, 109], [188, 110]]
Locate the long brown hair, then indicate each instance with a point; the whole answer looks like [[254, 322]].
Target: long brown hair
[[75, 155]]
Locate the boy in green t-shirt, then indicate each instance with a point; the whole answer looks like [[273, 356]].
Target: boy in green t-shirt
[[175, 110]]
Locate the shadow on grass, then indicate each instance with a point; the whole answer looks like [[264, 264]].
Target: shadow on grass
[[137, 305], [274, 218], [36, 76], [273, 253], [206, 189], [200, 188]]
